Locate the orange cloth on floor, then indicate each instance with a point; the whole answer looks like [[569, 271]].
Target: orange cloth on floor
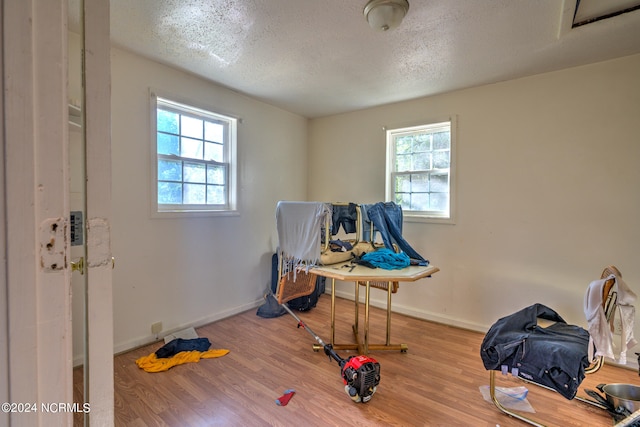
[[152, 363]]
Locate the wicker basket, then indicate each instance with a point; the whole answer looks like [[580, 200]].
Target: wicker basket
[[295, 284]]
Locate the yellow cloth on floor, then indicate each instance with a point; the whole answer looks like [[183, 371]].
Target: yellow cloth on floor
[[152, 363]]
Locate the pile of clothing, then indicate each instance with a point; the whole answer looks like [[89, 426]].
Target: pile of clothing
[[387, 219], [178, 352], [555, 356]]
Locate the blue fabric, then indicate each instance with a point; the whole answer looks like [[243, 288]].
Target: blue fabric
[[387, 259], [174, 347], [345, 216], [387, 218], [340, 246], [555, 356], [366, 224], [271, 308]]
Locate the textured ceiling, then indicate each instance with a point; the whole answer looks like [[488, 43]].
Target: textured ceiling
[[318, 58]]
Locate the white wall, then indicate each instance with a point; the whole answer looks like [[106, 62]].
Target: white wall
[[547, 190], [547, 196], [184, 272]]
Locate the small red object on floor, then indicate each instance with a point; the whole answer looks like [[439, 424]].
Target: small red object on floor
[[284, 399]]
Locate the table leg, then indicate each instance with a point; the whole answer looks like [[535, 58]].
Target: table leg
[[333, 311], [357, 305], [362, 345], [388, 313], [366, 317], [318, 347], [356, 327]]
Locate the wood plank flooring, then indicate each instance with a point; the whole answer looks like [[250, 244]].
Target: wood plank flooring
[[435, 383]]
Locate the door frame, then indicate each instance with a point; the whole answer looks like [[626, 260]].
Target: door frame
[[97, 134], [36, 205], [36, 275], [4, 307]]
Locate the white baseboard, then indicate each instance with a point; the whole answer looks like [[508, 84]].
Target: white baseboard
[[418, 314], [397, 308], [632, 361], [149, 339]]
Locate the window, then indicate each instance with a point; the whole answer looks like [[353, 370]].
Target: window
[[195, 159], [419, 169]]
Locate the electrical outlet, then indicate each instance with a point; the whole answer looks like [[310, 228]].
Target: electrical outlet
[[156, 328]]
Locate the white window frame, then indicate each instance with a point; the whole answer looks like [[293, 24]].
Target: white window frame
[[230, 159], [446, 217]]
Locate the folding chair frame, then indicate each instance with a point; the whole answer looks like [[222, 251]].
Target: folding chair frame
[[608, 302]]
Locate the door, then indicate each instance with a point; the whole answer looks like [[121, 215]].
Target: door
[[36, 280], [90, 204]]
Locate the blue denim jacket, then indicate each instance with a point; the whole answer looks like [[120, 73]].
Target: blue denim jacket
[[555, 356]]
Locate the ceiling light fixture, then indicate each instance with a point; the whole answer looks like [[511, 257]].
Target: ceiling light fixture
[[383, 15]]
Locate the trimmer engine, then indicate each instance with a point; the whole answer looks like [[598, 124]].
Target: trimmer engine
[[361, 376]]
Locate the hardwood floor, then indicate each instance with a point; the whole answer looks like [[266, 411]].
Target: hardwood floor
[[435, 383]]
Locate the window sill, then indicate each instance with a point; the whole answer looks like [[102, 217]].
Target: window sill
[[408, 217], [193, 214]]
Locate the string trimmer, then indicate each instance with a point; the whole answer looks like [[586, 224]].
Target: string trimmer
[[361, 374]]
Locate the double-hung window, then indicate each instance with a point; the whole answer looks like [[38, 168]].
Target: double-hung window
[[195, 159], [419, 169]]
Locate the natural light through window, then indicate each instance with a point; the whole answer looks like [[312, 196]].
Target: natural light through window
[[420, 165], [195, 158]]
